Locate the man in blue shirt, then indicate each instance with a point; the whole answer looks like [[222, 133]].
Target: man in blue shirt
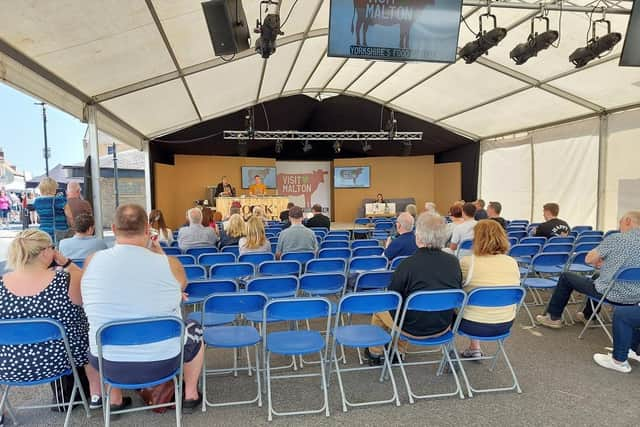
[[405, 243]]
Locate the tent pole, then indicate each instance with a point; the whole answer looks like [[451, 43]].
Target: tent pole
[[147, 175], [603, 145], [92, 121], [533, 179]]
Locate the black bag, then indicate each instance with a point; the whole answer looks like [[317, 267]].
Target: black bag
[[63, 387]]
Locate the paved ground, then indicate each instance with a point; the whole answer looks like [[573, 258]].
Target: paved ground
[[561, 386]]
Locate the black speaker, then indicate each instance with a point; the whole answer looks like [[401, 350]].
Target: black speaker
[[631, 50], [227, 25]]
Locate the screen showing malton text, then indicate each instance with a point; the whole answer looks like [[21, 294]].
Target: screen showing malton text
[[395, 30]]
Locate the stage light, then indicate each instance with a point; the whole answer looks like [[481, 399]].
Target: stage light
[[278, 147], [366, 146], [484, 41], [535, 43], [392, 125], [242, 148], [337, 147], [268, 29], [306, 147], [595, 47]]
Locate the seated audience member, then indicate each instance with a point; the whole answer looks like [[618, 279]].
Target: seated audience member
[[255, 239], [152, 286], [455, 217], [480, 212], [412, 210], [232, 211], [553, 226], [488, 266], [318, 219], [258, 212], [83, 243], [284, 215], [429, 269], [296, 238], [158, 225], [616, 251], [235, 229], [493, 211], [464, 230], [75, 205], [626, 340], [208, 221], [405, 243], [430, 207], [195, 235], [36, 290]]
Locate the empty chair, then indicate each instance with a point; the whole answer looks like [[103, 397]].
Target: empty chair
[[256, 258], [524, 222], [543, 274], [396, 262], [517, 234], [186, 259], [302, 257], [327, 265], [557, 247], [199, 251], [207, 260], [368, 251], [344, 253], [321, 284], [561, 239], [386, 226], [345, 233], [232, 271], [172, 251], [336, 237], [197, 291], [523, 253], [585, 247], [591, 233], [513, 241], [233, 249], [581, 228], [195, 272], [364, 242], [370, 280], [370, 263], [280, 268], [578, 263], [334, 244], [362, 221], [533, 240], [274, 287], [588, 239]]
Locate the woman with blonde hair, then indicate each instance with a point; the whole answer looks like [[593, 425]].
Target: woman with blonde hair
[[488, 266], [258, 212], [43, 284], [234, 231], [255, 240], [50, 208], [158, 224]]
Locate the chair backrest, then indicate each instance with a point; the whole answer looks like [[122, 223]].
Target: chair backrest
[[517, 234], [627, 274], [561, 239], [545, 260], [274, 247], [362, 221], [369, 302], [515, 228], [588, 239], [235, 303], [232, 248], [591, 233], [212, 259], [368, 251], [274, 286], [533, 240], [610, 232], [582, 247], [195, 272], [174, 244], [270, 236], [336, 237], [334, 244], [326, 283], [205, 288], [557, 247], [524, 250], [581, 228], [466, 245], [302, 257], [273, 239], [345, 233], [199, 251], [256, 258], [519, 222], [232, 270], [79, 262], [447, 299], [373, 280], [280, 268], [513, 241], [291, 309], [185, 259], [396, 262], [172, 251], [327, 265], [364, 243], [368, 263], [30, 331], [344, 253], [580, 258], [384, 225], [500, 296]]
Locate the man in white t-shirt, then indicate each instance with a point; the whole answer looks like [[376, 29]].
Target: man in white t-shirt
[[464, 231]]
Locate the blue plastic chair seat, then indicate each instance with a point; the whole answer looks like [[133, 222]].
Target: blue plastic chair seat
[[361, 335], [293, 343], [231, 336], [442, 339], [212, 319], [550, 269], [523, 270], [538, 282]]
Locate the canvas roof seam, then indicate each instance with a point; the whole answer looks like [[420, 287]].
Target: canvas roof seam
[[331, 77], [315, 68], [360, 74]]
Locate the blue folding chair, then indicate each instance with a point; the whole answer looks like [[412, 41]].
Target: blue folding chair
[[208, 260], [233, 271], [557, 248], [561, 239], [344, 233], [323, 284], [78, 262], [323, 230], [301, 257], [431, 301], [588, 239], [580, 228], [585, 247], [256, 258], [362, 221], [274, 247], [513, 241], [270, 236], [578, 264], [273, 287], [364, 243], [195, 272], [592, 233], [334, 244], [327, 265], [396, 262], [493, 297], [368, 251], [517, 234], [344, 253], [626, 277], [280, 268], [168, 330], [186, 259], [365, 335], [521, 222], [373, 280], [533, 240], [232, 249], [369, 263], [523, 253], [172, 251], [296, 343], [31, 332], [197, 291], [196, 252], [232, 337], [174, 244], [464, 247], [383, 226], [273, 239], [336, 237], [543, 273], [610, 232]]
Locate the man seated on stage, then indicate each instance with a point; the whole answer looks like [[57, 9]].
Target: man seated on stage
[[224, 189], [318, 219], [553, 225], [257, 188], [480, 212], [296, 238], [195, 235], [405, 242], [616, 251], [284, 215], [429, 269], [493, 210]]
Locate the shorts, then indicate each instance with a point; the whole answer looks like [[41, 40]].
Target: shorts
[[484, 329], [144, 372], [4, 213]]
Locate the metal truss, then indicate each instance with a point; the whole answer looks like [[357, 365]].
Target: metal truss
[[293, 135]]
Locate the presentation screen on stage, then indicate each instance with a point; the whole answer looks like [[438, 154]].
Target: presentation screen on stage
[[352, 177], [395, 30], [268, 175]]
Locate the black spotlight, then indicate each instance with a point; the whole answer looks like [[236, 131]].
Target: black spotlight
[[306, 147], [242, 148], [534, 44], [366, 146], [595, 47], [484, 41], [268, 29], [278, 147], [337, 147]]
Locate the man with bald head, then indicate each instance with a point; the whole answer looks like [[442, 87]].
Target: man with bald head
[[195, 235], [75, 205], [405, 243]]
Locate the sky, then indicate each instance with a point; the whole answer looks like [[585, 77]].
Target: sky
[[21, 134]]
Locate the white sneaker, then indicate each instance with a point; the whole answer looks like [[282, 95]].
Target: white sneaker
[[606, 361], [634, 356]]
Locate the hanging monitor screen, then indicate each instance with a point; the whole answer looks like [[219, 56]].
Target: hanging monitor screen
[[395, 30], [631, 50]]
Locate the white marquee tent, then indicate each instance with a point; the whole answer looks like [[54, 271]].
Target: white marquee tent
[[139, 69]]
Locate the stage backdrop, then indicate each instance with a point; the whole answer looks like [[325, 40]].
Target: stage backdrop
[[305, 183]]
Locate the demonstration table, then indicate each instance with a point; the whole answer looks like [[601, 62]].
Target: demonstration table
[[272, 205]]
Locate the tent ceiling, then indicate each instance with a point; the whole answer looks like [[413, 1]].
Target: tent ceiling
[[151, 68]]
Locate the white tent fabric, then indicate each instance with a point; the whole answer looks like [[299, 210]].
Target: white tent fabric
[[112, 53]]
